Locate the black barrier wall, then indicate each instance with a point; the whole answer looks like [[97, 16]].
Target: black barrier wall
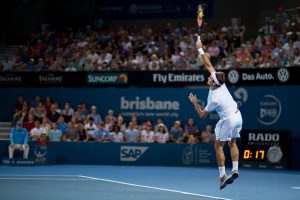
[[245, 77]]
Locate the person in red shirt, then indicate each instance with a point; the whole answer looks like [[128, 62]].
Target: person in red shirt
[[29, 124]]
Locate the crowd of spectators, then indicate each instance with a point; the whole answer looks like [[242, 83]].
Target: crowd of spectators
[[277, 43], [47, 121]]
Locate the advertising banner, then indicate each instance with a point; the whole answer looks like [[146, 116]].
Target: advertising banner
[[117, 154], [176, 79], [265, 149], [155, 9]]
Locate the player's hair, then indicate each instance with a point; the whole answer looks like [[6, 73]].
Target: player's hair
[[221, 77]]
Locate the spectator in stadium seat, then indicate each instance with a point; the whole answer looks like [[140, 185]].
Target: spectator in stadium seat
[[29, 124], [19, 104], [147, 135], [111, 117], [193, 63], [71, 133], [79, 112], [131, 134], [21, 115], [61, 124], [55, 135], [158, 121], [78, 119], [192, 128], [67, 112], [101, 134], [46, 124], [84, 110], [57, 108], [96, 117], [176, 132], [116, 134], [107, 124], [37, 132], [161, 135], [18, 140], [82, 132], [7, 64], [154, 65], [39, 113], [52, 114], [214, 52], [206, 135], [48, 104], [70, 67], [36, 101], [296, 56], [90, 128], [121, 123], [181, 63]]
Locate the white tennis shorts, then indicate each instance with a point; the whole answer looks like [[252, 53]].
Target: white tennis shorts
[[229, 128]]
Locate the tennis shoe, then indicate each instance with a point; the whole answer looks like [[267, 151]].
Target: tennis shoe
[[233, 175], [224, 180]]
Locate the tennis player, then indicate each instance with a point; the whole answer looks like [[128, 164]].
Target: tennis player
[[230, 124]]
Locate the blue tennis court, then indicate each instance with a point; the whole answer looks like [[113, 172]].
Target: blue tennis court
[[133, 183]]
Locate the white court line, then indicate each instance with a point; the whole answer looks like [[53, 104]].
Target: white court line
[[44, 179], [36, 175], [155, 188], [296, 188]]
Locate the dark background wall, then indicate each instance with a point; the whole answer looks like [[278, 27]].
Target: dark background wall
[[19, 18]]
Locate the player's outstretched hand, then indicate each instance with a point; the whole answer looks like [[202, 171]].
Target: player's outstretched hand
[[193, 98]]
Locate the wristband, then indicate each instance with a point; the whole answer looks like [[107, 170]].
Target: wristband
[[201, 52]]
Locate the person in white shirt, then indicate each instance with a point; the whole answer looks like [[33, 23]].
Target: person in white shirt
[[230, 124], [90, 128], [161, 135], [116, 135], [147, 135], [37, 131]]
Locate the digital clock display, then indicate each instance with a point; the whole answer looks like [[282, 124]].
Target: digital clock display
[[254, 154], [265, 149]]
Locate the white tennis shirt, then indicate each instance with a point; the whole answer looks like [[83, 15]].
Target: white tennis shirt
[[221, 101]]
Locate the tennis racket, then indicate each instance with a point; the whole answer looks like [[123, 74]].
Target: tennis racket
[[199, 19]]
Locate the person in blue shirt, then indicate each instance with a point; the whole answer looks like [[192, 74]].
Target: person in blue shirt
[[101, 134], [61, 124], [131, 134], [54, 134], [18, 140]]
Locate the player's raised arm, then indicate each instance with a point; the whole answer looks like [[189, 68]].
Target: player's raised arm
[[194, 100], [205, 57]]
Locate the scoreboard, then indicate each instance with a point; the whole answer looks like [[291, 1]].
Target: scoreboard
[[265, 149]]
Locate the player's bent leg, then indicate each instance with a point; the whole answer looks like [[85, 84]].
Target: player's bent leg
[[234, 152], [220, 153], [223, 178]]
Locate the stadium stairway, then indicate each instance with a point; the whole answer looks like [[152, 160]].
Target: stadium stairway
[[5, 128]]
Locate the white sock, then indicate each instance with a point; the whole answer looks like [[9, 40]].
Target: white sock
[[222, 171], [235, 165]]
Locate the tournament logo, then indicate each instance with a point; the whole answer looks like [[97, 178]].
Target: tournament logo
[[283, 75], [188, 156], [270, 110], [241, 95], [107, 78], [132, 153], [10, 79], [50, 79], [40, 152], [233, 76]]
